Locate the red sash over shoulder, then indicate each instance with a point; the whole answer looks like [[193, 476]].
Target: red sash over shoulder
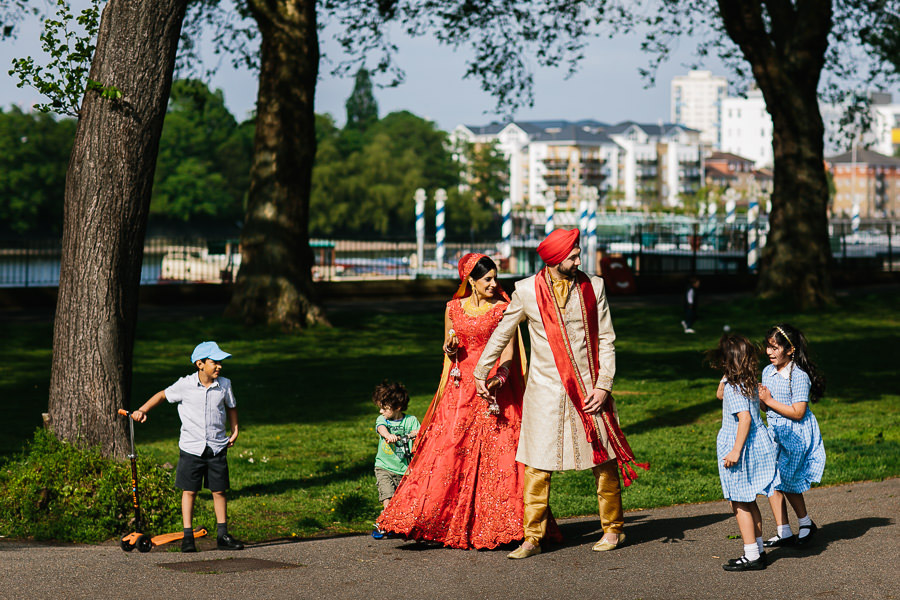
[[564, 356]]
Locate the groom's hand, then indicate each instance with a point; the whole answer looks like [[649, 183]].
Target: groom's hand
[[595, 401], [481, 388]]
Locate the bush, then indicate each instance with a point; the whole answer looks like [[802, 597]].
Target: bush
[[55, 491]]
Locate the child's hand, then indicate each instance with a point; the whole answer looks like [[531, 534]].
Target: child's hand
[[413, 434], [391, 438], [731, 459], [765, 396], [139, 416]]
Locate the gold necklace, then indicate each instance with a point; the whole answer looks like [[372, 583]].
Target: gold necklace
[[476, 311]]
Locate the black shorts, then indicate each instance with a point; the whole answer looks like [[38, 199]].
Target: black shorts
[[207, 470]]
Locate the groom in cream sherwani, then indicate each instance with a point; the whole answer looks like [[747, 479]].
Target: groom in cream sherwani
[[567, 421]]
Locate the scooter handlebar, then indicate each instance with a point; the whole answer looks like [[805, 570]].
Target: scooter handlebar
[[122, 412]]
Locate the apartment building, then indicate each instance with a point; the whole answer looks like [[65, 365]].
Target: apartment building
[[747, 128], [643, 164], [866, 178], [696, 102]]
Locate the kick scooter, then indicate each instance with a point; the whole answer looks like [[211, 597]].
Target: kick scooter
[[138, 539]]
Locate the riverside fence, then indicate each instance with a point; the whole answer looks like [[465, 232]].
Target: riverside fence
[[649, 248]]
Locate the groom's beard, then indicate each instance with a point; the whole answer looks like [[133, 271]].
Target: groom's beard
[[567, 273]]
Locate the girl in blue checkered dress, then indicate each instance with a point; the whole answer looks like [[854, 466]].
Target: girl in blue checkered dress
[[745, 451], [789, 384]]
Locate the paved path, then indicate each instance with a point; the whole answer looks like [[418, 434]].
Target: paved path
[[671, 553]]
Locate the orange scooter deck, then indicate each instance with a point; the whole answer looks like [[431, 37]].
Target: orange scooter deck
[[164, 538]]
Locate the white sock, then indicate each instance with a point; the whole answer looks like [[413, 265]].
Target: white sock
[[785, 530], [759, 544], [804, 522], [751, 551]]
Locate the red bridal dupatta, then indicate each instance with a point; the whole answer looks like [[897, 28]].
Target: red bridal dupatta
[[563, 355]]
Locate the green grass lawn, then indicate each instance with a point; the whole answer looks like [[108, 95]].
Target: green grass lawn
[[303, 463]]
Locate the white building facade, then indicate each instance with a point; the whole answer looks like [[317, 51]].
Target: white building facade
[[637, 164], [696, 102], [747, 128]]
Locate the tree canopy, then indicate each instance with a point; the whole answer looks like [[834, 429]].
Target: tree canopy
[[363, 183], [34, 153]]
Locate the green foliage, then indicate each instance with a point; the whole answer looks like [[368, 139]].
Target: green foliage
[[203, 166], [70, 48], [362, 109], [34, 152], [54, 491], [364, 181]]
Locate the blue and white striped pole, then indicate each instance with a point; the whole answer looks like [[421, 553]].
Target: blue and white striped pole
[[420, 228], [854, 219], [591, 258], [583, 220], [730, 214], [506, 227], [752, 242], [549, 211], [440, 196], [711, 210]]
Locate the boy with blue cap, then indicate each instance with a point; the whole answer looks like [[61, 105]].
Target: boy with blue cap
[[204, 399]]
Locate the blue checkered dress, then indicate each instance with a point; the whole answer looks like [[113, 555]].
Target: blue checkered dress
[[801, 452], [754, 473]]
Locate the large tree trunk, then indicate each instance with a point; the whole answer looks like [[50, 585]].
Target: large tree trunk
[[106, 205], [787, 56], [274, 284]]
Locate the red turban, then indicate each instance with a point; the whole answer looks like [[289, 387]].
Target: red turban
[[558, 246]]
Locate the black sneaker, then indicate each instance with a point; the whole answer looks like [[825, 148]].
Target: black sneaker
[[187, 544], [743, 564], [226, 542]]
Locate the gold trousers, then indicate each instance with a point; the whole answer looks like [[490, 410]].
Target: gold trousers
[[536, 496]]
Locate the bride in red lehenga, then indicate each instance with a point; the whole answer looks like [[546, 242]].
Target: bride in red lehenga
[[463, 487]]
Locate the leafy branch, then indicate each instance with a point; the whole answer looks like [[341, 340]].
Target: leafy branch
[[63, 80]]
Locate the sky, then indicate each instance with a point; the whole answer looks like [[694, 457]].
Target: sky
[[607, 86]]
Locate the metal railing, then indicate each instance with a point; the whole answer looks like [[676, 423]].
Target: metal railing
[[649, 248]]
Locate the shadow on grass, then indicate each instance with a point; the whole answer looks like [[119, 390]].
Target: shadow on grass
[[673, 418], [279, 486]]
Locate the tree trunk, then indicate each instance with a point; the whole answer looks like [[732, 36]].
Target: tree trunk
[[787, 55], [274, 284], [105, 216]]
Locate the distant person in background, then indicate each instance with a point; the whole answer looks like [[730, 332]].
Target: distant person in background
[[690, 304]]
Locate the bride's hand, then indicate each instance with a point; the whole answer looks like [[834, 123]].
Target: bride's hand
[[451, 342]]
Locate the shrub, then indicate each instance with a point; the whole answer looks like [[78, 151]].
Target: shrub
[[55, 491]]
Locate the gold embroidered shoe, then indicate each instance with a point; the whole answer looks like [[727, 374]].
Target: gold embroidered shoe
[[523, 552], [603, 545]]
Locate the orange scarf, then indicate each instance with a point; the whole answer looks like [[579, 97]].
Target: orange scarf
[[563, 355]]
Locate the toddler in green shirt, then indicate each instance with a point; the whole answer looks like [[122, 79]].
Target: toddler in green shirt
[[395, 433]]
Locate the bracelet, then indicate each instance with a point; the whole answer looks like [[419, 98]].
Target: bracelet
[[502, 374]]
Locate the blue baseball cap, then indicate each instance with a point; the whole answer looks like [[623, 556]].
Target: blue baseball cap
[[208, 350]]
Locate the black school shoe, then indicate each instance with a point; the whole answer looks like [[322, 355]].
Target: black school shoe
[[187, 544], [227, 542], [805, 539], [742, 564], [790, 540]]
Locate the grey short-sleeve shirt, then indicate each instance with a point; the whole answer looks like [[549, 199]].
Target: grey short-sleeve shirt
[[202, 412]]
